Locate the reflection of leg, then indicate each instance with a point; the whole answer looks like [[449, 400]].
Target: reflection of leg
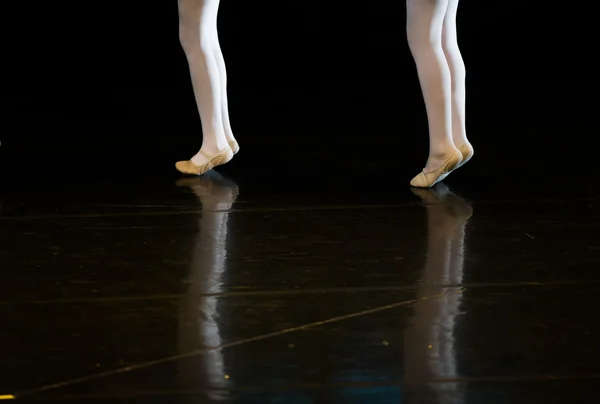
[[197, 29], [423, 351], [458, 74], [431, 337], [460, 210], [199, 323]]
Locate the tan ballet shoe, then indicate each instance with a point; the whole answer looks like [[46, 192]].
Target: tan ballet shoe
[[235, 147], [430, 178], [222, 157], [467, 152]]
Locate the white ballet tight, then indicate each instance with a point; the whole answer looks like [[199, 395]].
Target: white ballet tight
[[431, 31], [432, 38], [199, 39]]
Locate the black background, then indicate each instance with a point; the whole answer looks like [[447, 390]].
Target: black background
[[112, 74]]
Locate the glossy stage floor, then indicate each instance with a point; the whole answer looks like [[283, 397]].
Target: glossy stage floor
[[302, 274]]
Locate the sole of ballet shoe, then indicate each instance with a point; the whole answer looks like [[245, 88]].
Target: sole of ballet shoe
[[428, 180], [189, 168]]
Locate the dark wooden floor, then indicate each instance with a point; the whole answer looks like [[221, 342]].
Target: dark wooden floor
[[306, 271]]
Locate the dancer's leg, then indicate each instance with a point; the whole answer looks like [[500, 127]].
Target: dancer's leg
[[218, 54], [425, 20], [458, 74], [197, 21]]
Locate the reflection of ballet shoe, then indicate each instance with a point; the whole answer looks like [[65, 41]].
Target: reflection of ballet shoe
[[467, 152], [440, 194], [212, 179], [222, 157], [458, 206], [430, 178], [432, 195], [211, 186], [446, 210], [234, 145]]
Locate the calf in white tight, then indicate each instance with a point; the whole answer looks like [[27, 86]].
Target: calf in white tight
[[200, 41], [432, 38]]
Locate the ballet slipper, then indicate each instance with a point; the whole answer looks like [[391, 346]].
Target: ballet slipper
[[467, 152], [427, 179], [222, 157], [235, 147]]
